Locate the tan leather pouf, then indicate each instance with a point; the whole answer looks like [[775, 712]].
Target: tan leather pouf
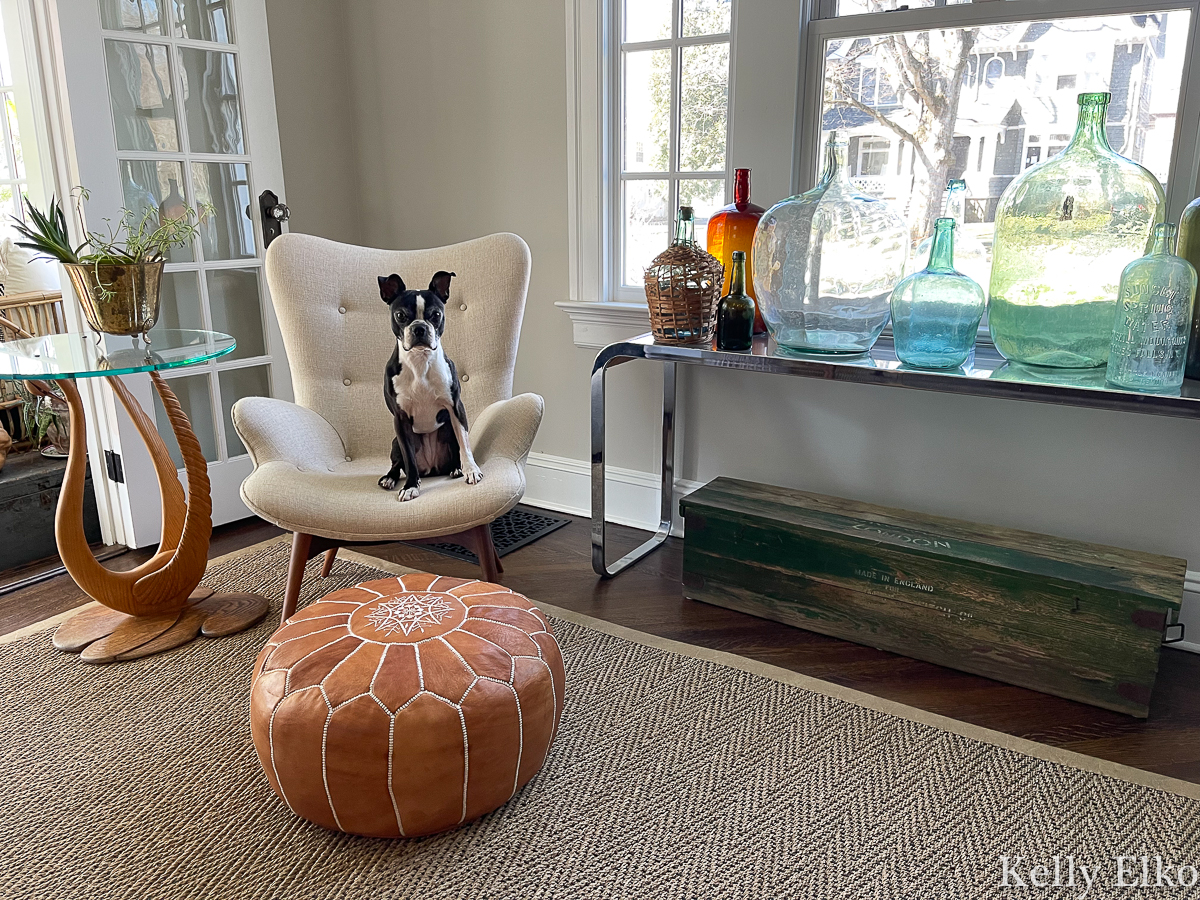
[[406, 706]]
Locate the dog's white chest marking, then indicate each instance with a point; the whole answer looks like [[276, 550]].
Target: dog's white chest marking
[[423, 388]]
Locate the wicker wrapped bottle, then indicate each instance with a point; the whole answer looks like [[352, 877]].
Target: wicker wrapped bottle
[[683, 287]]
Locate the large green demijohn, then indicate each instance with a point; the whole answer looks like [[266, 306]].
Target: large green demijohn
[[1065, 230]]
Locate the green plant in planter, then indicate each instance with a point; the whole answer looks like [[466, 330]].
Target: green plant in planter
[[116, 273], [133, 240]]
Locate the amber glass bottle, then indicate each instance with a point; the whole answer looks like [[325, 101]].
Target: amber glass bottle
[[732, 228]]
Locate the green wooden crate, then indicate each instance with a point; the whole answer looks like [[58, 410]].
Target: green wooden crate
[[1077, 620]]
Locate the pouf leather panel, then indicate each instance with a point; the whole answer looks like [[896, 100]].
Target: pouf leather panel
[[406, 706]]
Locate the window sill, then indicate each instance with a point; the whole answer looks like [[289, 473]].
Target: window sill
[[596, 325]]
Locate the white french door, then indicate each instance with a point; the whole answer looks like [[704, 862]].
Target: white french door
[[172, 103]]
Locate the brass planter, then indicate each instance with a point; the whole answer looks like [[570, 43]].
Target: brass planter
[[118, 298]]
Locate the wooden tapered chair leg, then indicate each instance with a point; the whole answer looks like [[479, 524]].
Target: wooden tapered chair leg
[[301, 545], [485, 551], [330, 558]]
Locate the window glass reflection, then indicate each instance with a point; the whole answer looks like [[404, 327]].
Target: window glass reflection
[[226, 231], [144, 16], [235, 308], [210, 101], [254, 381], [203, 20], [156, 186], [143, 103]]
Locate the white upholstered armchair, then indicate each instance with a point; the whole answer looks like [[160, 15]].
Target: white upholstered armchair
[[317, 461]]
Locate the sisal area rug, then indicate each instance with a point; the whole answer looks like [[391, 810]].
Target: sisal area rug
[[677, 773]]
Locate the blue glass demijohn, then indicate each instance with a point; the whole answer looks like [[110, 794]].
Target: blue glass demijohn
[[936, 312], [1154, 318]]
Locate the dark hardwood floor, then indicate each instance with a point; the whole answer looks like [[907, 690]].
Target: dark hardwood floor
[[557, 570]]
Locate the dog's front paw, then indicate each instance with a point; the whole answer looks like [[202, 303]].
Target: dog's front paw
[[411, 493], [457, 473], [387, 482], [474, 476]]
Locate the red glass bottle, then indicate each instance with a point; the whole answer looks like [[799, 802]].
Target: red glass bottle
[[732, 228]]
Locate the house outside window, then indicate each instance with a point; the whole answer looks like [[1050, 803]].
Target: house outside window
[[1017, 72]]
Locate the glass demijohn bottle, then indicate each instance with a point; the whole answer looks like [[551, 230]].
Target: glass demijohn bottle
[[731, 228], [936, 312], [735, 314], [1154, 316], [825, 263], [1065, 230], [970, 256]]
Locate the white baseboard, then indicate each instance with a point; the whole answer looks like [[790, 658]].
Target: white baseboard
[[562, 484]]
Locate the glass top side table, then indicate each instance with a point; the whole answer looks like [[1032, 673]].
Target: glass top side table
[[158, 605]]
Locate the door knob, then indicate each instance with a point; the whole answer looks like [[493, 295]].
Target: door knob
[[274, 214]]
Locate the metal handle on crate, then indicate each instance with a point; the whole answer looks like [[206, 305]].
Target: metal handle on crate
[[1174, 640]]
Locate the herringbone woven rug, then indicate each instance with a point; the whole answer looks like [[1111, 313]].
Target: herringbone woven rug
[[673, 776]]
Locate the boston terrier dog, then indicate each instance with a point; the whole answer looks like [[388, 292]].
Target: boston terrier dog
[[422, 392]]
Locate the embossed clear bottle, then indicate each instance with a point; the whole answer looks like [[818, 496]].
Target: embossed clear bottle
[[1154, 315]]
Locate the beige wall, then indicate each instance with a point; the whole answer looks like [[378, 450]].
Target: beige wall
[[460, 130], [317, 130]]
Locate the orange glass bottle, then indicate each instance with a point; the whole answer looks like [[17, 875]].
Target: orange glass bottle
[[732, 228]]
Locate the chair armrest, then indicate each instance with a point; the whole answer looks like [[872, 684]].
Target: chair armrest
[[507, 428], [278, 430]]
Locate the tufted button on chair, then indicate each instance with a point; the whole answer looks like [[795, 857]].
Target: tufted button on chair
[[317, 461]]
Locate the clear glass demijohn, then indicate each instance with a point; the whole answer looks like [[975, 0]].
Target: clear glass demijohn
[[825, 263], [1065, 230]]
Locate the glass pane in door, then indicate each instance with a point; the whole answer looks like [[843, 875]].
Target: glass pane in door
[[253, 381], [143, 103], [156, 188], [210, 101], [179, 302], [203, 20], [195, 397], [234, 308], [228, 233], [144, 16]]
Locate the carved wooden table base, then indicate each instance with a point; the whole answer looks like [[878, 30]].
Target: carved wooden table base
[[158, 605]]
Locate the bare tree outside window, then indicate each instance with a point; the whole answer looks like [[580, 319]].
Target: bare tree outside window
[[984, 103]]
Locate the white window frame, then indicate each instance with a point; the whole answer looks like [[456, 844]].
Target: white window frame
[[601, 313], [673, 175], [820, 24]]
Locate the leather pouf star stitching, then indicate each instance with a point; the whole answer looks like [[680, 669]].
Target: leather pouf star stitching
[[406, 706]]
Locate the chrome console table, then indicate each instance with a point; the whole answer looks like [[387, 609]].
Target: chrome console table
[[986, 374]]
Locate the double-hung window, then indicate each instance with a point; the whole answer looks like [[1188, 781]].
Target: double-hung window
[[926, 91], [670, 143]]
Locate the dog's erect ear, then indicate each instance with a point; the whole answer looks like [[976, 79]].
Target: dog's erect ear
[[440, 285], [390, 287]]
